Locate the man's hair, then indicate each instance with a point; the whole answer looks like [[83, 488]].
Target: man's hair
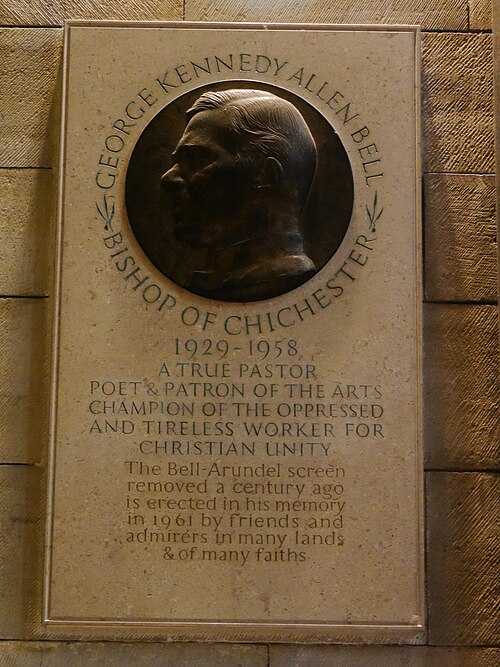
[[266, 126]]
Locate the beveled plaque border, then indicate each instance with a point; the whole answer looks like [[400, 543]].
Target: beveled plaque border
[[240, 631]]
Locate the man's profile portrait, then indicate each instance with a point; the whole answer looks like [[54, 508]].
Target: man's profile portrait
[[239, 181], [239, 191]]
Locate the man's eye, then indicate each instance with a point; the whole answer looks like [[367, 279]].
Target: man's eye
[[197, 160], [192, 160]]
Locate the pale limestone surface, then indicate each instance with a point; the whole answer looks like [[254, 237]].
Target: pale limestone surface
[[94, 573]]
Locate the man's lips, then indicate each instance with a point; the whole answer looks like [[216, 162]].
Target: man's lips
[[178, 202], [178, 207]]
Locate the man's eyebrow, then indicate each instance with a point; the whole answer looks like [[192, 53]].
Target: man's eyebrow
[[191, 148]]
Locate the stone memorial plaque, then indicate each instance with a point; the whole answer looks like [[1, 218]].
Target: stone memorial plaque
[[235, 446]]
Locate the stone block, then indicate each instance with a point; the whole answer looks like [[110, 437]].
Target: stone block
[[26, 231], [460, 238], [24, 380], [457, 103], [461, 387], [462, 558]]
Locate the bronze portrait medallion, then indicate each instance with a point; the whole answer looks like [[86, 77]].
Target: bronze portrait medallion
[[239, 191]]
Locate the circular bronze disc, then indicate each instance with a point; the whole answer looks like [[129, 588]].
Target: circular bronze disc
[[326, 216]]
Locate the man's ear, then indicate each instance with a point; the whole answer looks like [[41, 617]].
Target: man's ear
[[270, 173]]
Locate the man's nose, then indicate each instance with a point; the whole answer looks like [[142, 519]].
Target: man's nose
[[172, 176]]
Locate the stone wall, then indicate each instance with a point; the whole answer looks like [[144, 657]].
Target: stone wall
[[461, 342]]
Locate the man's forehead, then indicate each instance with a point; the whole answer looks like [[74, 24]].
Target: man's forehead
[[208, 126]]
